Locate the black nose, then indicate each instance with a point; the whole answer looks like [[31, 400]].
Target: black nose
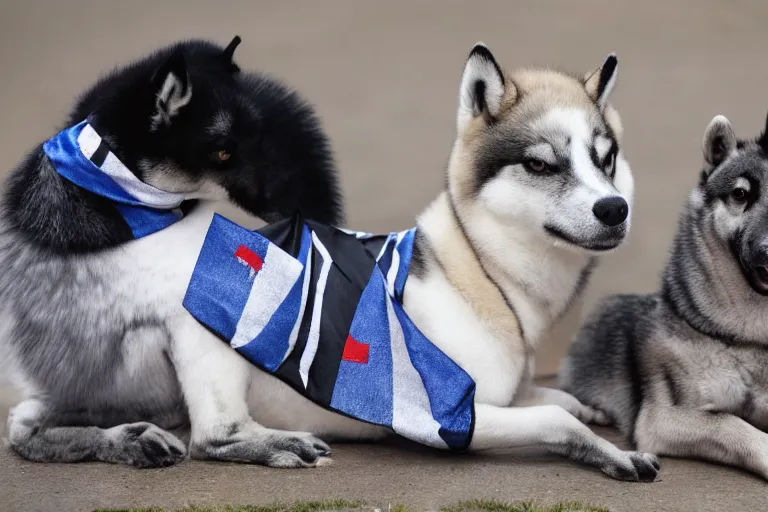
[[611, 211]]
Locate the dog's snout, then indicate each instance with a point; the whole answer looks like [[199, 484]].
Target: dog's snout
[[759, 254], [611, 211]]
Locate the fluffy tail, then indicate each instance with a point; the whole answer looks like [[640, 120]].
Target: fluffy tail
[[601, 368]]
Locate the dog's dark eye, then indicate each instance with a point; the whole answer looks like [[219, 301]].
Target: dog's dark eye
[[223, 155], [536, 165], [739, 194]]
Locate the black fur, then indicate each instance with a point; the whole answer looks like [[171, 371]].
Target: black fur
[[229, 53], [422, 252], [280, 160], [762, 140], [484, 53], [606, 73]]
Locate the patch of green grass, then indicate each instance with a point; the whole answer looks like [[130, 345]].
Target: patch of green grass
[[336, 505], [529, 506], [299, 506]]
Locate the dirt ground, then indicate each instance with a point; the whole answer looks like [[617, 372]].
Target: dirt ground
[[384, 78]]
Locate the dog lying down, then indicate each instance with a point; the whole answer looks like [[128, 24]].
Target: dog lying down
[[439, 323], [684, 371]]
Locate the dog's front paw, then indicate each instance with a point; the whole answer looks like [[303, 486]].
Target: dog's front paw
[[296, 450], [142, 445], [258, 445], [591, 416], [633, 467]]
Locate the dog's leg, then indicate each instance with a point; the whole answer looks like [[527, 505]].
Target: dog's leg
[[33, 434], [716, 437], [535, 395], [554, 429], [215, 381]]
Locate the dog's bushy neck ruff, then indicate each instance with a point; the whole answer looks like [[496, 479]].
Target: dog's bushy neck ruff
[[458, 260], [703, 284]]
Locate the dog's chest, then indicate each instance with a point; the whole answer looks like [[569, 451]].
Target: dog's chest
[[154, 275], [496, 364], [722, 378]]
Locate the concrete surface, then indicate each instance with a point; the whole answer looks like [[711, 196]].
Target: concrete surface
[[396, 473], [384, 78]]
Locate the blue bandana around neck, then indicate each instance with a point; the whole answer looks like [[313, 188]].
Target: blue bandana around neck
[[80, 155]]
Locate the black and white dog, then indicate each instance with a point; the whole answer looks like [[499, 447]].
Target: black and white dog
[[92, 319]]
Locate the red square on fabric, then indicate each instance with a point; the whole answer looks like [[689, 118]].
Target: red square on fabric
[[249, 257], [355, 352]]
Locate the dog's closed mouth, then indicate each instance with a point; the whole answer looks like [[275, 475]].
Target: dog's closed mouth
[[590, 245], [761, 277]]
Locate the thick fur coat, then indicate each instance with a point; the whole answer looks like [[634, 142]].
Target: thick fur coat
[[537, 188], [682, 372]]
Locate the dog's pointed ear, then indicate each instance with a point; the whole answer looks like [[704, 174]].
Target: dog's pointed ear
[[719, 142], [482, 88], [229, 52], [763, 139], [599, 83], [172, 89]]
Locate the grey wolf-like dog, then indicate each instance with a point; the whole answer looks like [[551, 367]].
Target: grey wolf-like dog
[[684, 372]]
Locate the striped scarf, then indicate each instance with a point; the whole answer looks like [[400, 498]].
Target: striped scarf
[[83, 157], [321, 309]]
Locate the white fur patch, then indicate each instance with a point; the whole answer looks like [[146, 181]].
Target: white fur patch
[[170, 100], [602, 146], [543, 152], [575, 123], [478, 69], [743, 183], [726, 221], [624, 183]]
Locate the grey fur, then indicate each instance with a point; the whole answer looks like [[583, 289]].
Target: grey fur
[[92, 327], [684, 372], [69, 334], [78, 356]]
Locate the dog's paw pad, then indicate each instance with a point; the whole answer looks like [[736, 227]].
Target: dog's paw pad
[[144, 445]]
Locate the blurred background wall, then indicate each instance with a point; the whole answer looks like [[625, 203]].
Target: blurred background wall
[[384, 78]]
